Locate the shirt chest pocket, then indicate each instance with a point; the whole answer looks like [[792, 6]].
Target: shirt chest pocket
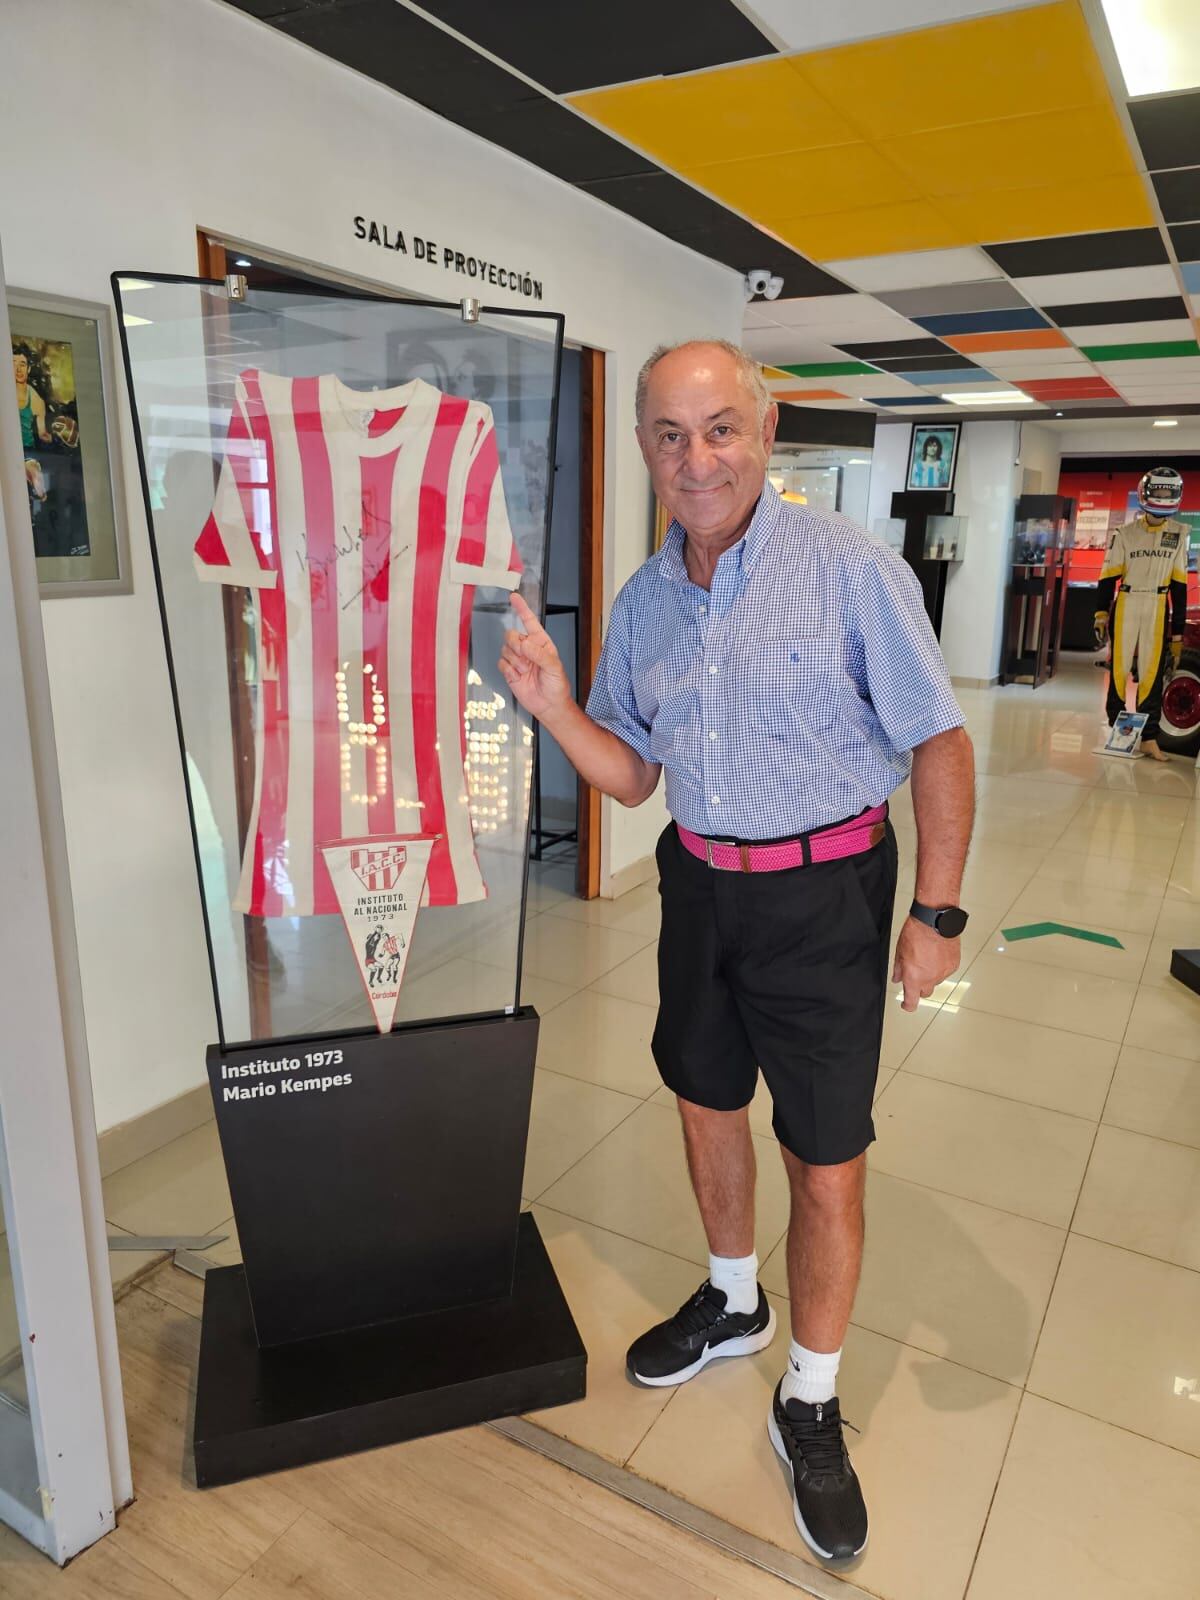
[[793, 682]]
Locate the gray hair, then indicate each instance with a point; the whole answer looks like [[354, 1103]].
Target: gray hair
[[749, 371]]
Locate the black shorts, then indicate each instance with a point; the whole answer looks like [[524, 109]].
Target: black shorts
[[787, 971]]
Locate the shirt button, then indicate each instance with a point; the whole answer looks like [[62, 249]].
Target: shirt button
[[716, 799], [703, 608], [712, 733], [713, 669]]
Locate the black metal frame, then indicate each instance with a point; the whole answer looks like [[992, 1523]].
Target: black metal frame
[[339, 291]]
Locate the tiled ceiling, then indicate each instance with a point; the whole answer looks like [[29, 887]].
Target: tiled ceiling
[[957, 194]]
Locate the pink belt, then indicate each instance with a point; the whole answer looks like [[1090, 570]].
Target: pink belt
[[827, 844]]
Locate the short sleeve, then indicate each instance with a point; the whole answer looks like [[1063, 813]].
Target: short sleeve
[[486, 552], [230, 548], [906, 678], [612, 704]]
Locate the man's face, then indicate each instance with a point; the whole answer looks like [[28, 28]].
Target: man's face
[[702, 441], [20, 369]]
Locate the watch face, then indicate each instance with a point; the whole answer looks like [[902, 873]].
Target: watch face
[[951, 921]]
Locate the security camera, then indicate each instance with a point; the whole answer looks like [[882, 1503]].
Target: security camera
[[760, 281]]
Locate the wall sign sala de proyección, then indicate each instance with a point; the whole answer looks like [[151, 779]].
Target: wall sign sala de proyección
[[450, 259]]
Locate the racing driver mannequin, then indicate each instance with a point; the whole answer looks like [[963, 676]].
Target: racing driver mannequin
[[1149, 555]]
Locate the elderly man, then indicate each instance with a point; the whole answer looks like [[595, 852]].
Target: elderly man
[[778, 664]]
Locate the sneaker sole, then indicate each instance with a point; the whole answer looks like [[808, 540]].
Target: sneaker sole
[[748, 1346], [781, 1452]]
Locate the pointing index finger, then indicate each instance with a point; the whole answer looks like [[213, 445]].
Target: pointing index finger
[[525, 616]]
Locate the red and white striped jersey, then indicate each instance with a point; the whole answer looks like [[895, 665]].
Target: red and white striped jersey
[[362, 523]]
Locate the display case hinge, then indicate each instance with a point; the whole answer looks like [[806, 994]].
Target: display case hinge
[[470, 309], [235, 285]]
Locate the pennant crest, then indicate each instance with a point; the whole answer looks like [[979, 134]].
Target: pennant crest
[[379, 883]]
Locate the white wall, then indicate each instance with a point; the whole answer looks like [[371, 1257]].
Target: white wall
[[1039, 452], [1136, 436], [985, 488], [187, 114]]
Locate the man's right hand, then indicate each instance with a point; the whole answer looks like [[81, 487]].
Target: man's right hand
[[531, 666], [1100, 627]]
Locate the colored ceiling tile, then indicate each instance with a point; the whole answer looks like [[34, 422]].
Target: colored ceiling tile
[[947, 378], [1168, 129], [1178, 194], [1118, 201], [916, 269], [827, 369], [806, 395], [775, 190], [1070, 253], [976, 71], [852, 310], [874, 230], [983, 321], [774, 372], [815, 25], [1094, 313], [1191, 276], [897, 402], [1185, 236], [951, 298], [1028, 339], [1053, 149], [1132, 332], [705, 117], [1161, 351]]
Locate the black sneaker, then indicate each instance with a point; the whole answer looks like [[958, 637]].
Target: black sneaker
[[699, 1332], [826, 1496]]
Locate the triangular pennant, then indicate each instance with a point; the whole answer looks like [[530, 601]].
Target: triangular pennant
[[379, 882]]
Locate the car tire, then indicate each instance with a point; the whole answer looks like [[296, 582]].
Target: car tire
[[1180, 728]]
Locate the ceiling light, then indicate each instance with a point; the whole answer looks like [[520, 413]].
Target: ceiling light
[[1058, 413], [1157, 44], [1166, 422], [991, 397], [242, 262], [859, 461]]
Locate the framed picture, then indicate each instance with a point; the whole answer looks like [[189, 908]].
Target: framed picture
[[934, 456], [64, 381]]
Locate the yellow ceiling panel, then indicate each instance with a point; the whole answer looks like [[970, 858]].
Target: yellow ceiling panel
[[1043, 213], [706, 117], [1013, 64], [874, 231], [1058, 147], [805, 182]]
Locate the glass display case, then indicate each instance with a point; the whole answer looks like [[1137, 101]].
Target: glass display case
[[344, 492], [945, 538], [890, 531], [1043, 530]]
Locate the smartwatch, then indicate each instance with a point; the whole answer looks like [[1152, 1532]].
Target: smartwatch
[[949, 921]]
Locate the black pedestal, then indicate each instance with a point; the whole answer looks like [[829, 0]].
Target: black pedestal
[[1185, 965], [264, 1410]]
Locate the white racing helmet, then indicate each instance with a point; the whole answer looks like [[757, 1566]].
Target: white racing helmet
[[1160, 491]]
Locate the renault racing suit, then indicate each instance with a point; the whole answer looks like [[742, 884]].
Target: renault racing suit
[[1151, 563]]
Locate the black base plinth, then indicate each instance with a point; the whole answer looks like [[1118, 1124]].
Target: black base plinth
[[1185, 965], [262, 1410]]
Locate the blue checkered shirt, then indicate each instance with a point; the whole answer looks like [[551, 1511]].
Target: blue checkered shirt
[[788, 697]]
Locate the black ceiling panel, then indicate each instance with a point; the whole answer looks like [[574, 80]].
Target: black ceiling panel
[[1168, 129], [555, 139], [1185, 237], [1080, 252], [567, 47], [1094, 312], [682, 213], [270, 10], [947, 361], [875, 350], [1178, 194], [817, 425], [394, 46]]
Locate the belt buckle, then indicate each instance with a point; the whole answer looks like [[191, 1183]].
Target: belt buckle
[[708, 844]]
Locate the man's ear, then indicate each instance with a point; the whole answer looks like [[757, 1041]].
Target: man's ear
[[770, 424]]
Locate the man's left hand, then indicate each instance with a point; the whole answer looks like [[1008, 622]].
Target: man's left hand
[[923, 960]]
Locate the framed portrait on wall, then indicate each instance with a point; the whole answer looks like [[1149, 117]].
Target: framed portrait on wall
[[934, 456], [64, 390]]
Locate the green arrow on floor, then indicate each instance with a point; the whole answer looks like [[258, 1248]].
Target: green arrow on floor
[[1037, 930]]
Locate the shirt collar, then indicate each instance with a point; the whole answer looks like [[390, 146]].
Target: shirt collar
[[749, 547]]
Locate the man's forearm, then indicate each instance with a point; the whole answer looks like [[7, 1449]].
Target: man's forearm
[[943, 794], [601, 758]]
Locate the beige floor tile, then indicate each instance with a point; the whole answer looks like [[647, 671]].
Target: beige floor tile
[[902, 1029], [1156, 1094], [1085, 1511], [1120, 843], [178, 1189], [1076, 955], [1053, 997], [125, 1267], [460, 986], [932, 1442], [1167, 1020], [1144, 815], [616, 1290], [1142, 1193], [1100, 872], [638, 911], [1084, 905], [1179, 921], [568, 1119], [636, 979], [1005, 1056], [576, 953], [1119, 1342], [1157, 970], [550, 885], [635, 1183], [1174, 779], [1184, 876], [886, 1074], [1001, 1153], [995, 875], [949, 1276], [603, 1039]]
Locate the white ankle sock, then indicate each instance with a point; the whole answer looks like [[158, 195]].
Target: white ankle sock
[[738, 1277], [811, 1375]]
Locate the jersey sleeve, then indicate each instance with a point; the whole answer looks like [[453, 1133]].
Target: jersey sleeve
[[905, 677], [486, 552], [230, 548]]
